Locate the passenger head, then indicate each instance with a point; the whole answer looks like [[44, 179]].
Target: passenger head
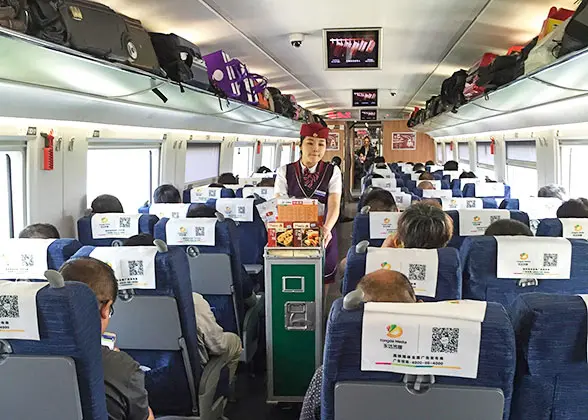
[[508, 227], [553, 190], [336, 161], [106, 203], [380, 160], [367, 141], [424, 226], [142, 239], [39, 231], [572, 209], [451, 165], [377, 176], [418, 167], [426, 176], [201, 210], [99, 277], [228, 179], [426, 185], [167, 194], [466, 175], [267, 182], [386, 286], [380, 200], [264, 170], [216, 185], [435, 202], [429, 163]]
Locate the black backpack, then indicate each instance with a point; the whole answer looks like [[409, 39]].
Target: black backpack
[[14, 15], [576, 33], [452, 90]]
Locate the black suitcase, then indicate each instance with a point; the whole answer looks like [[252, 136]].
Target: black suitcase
[[452, 90], [89, 27], [181, 60], [146, 57], [576, 33], [14, 15]]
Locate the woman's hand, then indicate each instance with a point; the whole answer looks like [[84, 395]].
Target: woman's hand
[[327, 236]]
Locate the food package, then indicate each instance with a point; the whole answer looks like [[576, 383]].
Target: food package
[[280, 234], [300, 211], [307, 235]]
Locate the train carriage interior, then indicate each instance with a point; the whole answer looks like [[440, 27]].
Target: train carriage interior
[[271, 210]]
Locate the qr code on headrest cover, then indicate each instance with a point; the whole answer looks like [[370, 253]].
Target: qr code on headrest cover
[[494, 219], [125, 222], [136, 268], [445, 340], [549, 260], [9, 306], [417, 272]]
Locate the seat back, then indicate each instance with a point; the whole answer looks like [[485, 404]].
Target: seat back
[[342, 374], [158, 329], [225, 193], [361, 231], [457, 239], [552, 375], [480, 281], [146, 225], [448, 273], [58, 252], [469, 190], [216, 272], [555, 228], [537, 208], [62, 372]]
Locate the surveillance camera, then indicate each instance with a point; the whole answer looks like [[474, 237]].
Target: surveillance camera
[[296, 40], [392, 93]]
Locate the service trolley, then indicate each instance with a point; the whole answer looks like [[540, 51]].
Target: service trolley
[[294, 321]]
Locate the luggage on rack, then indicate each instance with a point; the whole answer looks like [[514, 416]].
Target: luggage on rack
[[546, 51], [503, 70], [146, 56], [473, 89], [263, 99], [576, 33], [282, 104], [85, 26], [434, 107], [412, 121], [555, 18], [452, 90], [14, 15], [181, 60]]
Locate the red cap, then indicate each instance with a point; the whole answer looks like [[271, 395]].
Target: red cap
[[314, 130]]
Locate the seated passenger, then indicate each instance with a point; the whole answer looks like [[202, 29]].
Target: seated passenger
[[267, 182], [106, 203], [211, 336], [421, 226], [126, 396], [508, 227], [426, 176], [426, 185], [467, 175], [379, 160], [263, 170], [379, 199], [432, 202], [572, 209], [430, 163], [451, 165], [39, 231], [227, 179], [201, 210], [216, 185], [379, 286], [167, 194], [553, 190], [418, 167]]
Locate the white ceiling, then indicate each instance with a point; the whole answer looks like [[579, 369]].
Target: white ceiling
[[424, 42]]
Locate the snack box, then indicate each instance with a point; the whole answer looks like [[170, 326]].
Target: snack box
[[300, 210], [280, 234], [307, 235]]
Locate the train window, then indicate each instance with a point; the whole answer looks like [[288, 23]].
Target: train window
[[286, 154], [440, 153], [268, 156], [573, 168], [448, 152], [12, 192], [485, 164], [140, 166], [463, 151], [202, 161], [521, 168], [243, 161]]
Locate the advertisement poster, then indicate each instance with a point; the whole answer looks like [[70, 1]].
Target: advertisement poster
[[403, 141], [368, 115], [365, 97], [333, 142], [352, 48]]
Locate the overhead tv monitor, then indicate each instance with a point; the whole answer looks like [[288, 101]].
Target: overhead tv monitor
[[353, 48], [365, 97], [368, 115]]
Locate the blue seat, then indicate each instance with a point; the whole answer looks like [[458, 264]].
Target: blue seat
[[478, 258], [361, 231], [217, 273], [60, 251], [448, 275], [551, 227], [457, 240], [360, 203], [225, 193], [146, 225], [469, 190], [342, 358], [158, 329], [552, 375], [61, 374]]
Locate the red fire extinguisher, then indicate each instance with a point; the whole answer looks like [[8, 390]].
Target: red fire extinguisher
[[492, 145], [258, 147]]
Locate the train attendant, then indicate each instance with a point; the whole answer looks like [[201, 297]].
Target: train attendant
[[311, 177]]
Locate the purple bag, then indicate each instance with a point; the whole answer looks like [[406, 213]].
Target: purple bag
[[233, 78]]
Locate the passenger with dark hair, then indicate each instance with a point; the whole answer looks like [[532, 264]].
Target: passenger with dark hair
[[508, 227], [267, 182], [430, 163], [410, 163], [263, 170], [377, 176], [336, 161], [552, 190], [572, 209], [379, 286], [421, 226], [379, 160], [142, 239], [228, 179], [467, 175], [106, 203], [426, 176], [426, 185], [216, 185], [200, 210], [418, 167], [39, 231], [167, 194], [126, 396], [451, 165], [379, 199]]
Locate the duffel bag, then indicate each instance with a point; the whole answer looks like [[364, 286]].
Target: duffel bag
[[14, 15], [576, 32], [146, 56], [452, 90], [473, 88], [85, 26], [282, 105], [547, 50]]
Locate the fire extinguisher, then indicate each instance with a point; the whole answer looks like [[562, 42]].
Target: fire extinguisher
[[258, 147], [492, 145], [48, 158]]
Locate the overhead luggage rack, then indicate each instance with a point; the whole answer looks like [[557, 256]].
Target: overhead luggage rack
[[553, 95], [48, 81]]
